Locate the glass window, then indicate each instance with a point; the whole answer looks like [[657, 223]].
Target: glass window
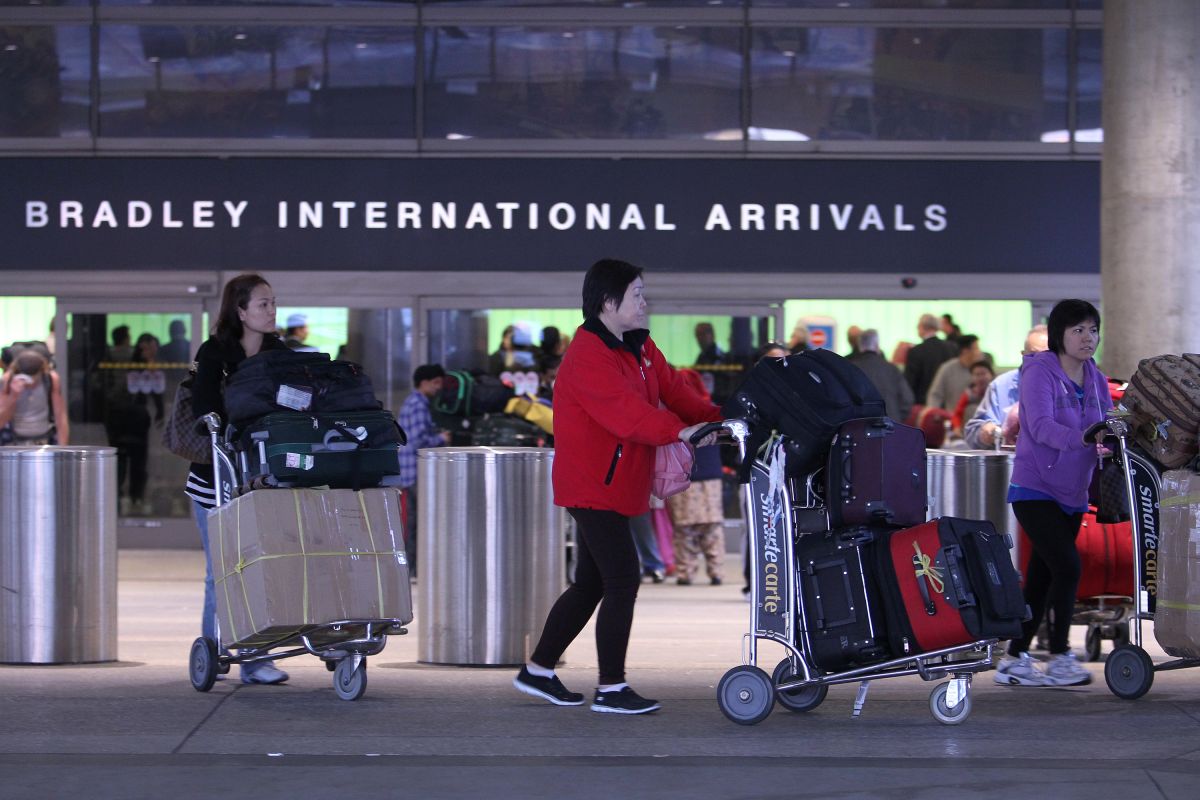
[[902, 84], [1089, 82], [931, 4], [44, 73], [257, 81], [604, 83]]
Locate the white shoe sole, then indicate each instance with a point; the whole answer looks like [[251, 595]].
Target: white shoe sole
[[1080, 681], [611, 710], [532, 692], [1012, 680]]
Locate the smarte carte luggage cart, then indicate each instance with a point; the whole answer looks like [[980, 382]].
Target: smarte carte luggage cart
[[343, 645], [1129, 670], [746, 693]]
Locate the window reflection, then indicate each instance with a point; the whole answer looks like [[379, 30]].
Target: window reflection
[[908, 83], [635, 83], [200, 81], [44, 72]]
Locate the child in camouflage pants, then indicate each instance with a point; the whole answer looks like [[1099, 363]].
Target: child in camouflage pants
[[700, 520]]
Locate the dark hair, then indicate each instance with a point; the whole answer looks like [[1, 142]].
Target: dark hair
[[983, 362], [120, 335], [549, 361], [606, 280], [177, 328], [762, 351], [236, 296], [1065, 314], [29, 362], [965, 342], [137, 348], [550, 338], [427, 372]]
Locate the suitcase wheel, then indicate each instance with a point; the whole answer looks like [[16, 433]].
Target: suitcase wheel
[[943, 712], [746, 695]]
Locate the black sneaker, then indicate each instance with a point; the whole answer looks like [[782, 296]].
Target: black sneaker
[[623, 701], [551, 688]]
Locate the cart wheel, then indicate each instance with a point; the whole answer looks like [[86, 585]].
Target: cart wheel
[[805, 699], [202, 665], [1129, 672], [330, 665], [746, 695], [348, 682], [1093, 642], [944, 713]]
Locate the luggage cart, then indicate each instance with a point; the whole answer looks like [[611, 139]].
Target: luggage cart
[[746, 694], [1129, 670], [343, 645]]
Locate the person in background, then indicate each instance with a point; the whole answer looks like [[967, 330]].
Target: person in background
[[144, 390], [416, 420], [923, 360], [698, 513], [706, 339], [1000, 400], [645, 540], [552, 342], [798, 343], [852, 334], [771, 350], [954, 376], [297, 334], [245, 327], [178, 350], [547, 376], [886, 377], [32, 408], [1063, 394], [949, 328], [968, 401], [515, 351], [616, 399]]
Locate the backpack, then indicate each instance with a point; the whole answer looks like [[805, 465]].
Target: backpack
[[291, 380], [466, 394]]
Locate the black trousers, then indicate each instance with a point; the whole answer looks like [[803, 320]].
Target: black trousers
[[607, 574], [1053, 573]]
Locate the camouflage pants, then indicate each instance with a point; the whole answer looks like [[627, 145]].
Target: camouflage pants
[[692, 541]]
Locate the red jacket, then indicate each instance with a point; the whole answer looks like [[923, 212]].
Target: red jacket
[[607, 420]]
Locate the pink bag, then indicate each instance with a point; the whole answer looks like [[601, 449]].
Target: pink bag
[[672, 469]]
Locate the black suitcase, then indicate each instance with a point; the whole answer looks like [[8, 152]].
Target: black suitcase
[[806, 397], [875, 474], [287, 380], [841, 623], [505, 430], [354, 450]]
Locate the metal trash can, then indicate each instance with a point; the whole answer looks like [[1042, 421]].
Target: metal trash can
[[58, 555], [490, 555], [972, 484]]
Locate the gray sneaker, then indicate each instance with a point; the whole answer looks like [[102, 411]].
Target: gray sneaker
[[1064, 669], [1022, 671]]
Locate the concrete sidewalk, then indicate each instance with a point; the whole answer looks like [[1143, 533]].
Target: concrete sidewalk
[[136, 729]]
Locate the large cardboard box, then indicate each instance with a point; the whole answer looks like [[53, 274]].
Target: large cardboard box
[[288, 559], [1177, 613]]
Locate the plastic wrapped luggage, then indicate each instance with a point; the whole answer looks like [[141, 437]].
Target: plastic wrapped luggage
[[876, 474], [949, 582], [841, 621], [353, 450], [1163, 399], [1177, 615], [806, 397]]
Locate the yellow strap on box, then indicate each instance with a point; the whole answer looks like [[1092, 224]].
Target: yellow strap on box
[[1182, 500]]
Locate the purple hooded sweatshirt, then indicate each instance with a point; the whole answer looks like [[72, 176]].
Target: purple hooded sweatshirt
[[1051, 455]]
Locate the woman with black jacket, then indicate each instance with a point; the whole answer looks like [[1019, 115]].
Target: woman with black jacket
[[245, 327]]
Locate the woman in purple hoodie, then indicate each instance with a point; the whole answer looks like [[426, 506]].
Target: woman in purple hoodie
[[1063, 393]]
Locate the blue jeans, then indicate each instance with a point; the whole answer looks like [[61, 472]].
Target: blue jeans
[[646, 542]]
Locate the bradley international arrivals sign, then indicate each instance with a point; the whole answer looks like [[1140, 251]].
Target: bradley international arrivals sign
[[712, 215]]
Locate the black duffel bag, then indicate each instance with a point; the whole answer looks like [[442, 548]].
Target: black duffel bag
[[287, 380], [806, 397]]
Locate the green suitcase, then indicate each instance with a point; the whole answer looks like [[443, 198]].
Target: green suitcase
[[350, 450]]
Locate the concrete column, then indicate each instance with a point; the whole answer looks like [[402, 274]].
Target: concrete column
[[1150, 184]]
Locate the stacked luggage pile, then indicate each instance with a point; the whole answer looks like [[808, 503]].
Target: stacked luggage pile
[[847, 574], [481, 410], [300, 569]]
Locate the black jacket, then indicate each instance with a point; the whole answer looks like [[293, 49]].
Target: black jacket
[[895, 391], [922, 364]]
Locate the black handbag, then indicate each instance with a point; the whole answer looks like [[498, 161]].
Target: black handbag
[[180, 435]]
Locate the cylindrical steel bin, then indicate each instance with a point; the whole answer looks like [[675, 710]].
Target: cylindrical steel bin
[[491, 557], [972, 484], [58, 555]]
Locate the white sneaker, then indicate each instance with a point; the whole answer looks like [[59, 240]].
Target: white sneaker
[[1022, 671], [265, 673], [1064, 669]]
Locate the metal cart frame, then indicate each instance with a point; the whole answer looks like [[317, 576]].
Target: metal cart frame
[[345, 654], [746, 693]]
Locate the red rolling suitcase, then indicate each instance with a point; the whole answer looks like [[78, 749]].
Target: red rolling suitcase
[[1105, 554], [875, 474], [949, 582]]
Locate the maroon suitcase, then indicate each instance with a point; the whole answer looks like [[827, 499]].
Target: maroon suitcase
[[875, 474]]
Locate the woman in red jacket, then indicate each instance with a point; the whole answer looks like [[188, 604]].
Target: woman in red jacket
[[615, 400]]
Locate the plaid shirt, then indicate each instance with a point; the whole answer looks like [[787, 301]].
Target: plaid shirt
[[418, 425]]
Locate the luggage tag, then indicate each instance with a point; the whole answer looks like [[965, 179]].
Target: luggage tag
[[297, 398], [299, 461]]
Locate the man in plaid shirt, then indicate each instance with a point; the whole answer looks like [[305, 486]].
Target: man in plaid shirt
[[417, 422]]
